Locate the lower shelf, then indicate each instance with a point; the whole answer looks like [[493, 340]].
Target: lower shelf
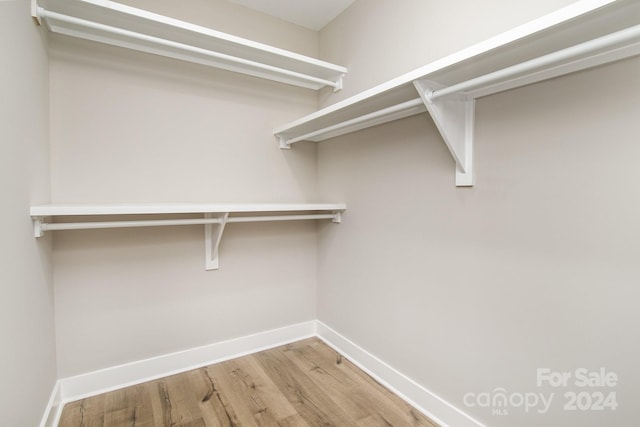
[[215, 217]]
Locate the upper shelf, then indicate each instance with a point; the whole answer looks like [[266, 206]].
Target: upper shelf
[[583, 35], [578, 23], [120, 25]]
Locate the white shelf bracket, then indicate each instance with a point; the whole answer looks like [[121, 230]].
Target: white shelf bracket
[[34, 12], [454, 118], [284, 143], [338, 85], [38, 229], [212, 237]]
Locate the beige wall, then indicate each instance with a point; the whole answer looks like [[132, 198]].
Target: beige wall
[[28, 369], [471, 289], [130, 127]]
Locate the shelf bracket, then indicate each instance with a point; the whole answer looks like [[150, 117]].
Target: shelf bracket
[[338, 86], [212, 237], [34, 13], [284, 143], [454, 117], [38, 229]]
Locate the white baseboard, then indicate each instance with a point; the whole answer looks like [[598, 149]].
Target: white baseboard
[[54, 408], [102, 381], [436, 408]]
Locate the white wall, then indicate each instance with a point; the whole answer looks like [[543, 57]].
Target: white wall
[[130, 127], [471, 289], [28, 368]]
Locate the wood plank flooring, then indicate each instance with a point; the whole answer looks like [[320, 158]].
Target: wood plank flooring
[[304, 384]]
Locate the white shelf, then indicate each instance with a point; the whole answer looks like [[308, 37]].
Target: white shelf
[[179, 208], [214, 217], [585, 34], [120, 25]]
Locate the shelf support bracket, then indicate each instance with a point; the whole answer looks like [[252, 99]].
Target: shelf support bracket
[[454, 118], [212, 239], [34, 13], [284, 143], [338, 87], [38, 229]]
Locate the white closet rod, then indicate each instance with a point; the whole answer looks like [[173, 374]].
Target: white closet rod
[[405, 106], [44, 14], [556, 58], [165, 222], [282, 217]]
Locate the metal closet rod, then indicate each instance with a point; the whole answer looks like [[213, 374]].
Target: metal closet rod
[[515, 71], [44, 14], [164, 222]]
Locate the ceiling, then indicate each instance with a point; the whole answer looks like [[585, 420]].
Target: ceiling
[[313, 14]]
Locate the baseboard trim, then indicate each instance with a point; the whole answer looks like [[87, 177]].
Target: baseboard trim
[[105, 380], [54, 408], [439, 410], [102, 381]]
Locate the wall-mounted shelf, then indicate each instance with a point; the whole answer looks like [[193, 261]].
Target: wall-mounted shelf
[[585, 34], [120, 25], [214, 217]]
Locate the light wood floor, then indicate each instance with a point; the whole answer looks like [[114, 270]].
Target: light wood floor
[[301, 384]]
